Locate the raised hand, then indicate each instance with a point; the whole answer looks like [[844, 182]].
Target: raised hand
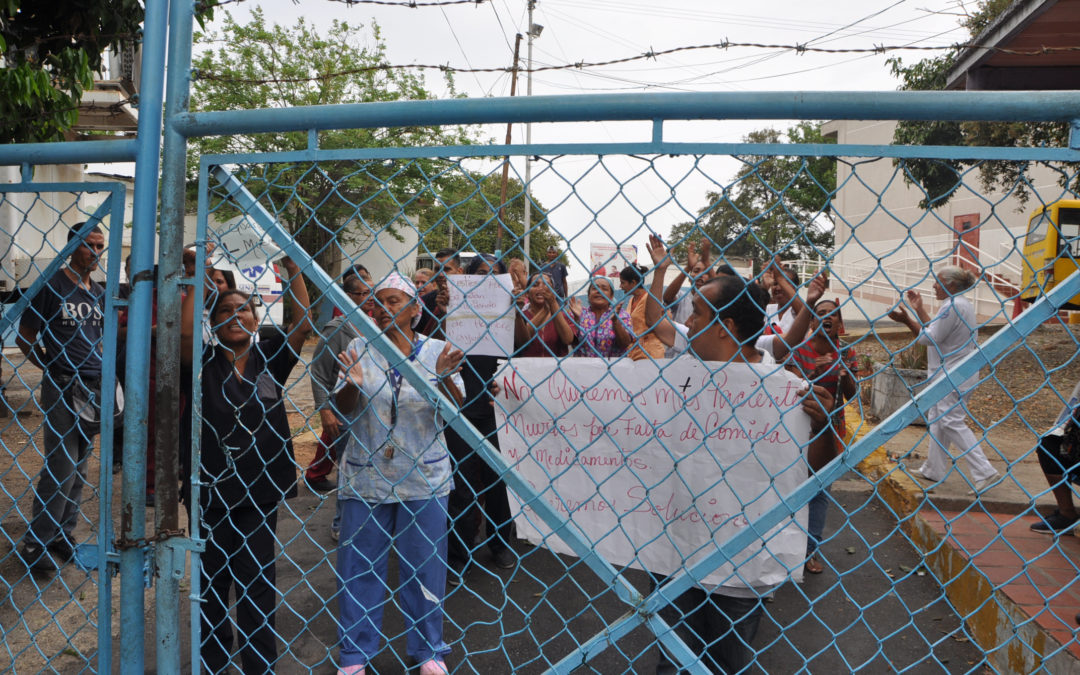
[[900, 314], [292, 268], [914, 299], [574, 305], [705, 250], [350, 366], [449, 361], [816, 289], [658, 252]]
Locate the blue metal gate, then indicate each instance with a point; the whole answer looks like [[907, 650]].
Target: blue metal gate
[[603, 613]]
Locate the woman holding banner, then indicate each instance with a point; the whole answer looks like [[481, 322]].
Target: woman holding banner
[[396, 477], [720, 622], [542, 328], [648, 345], [605, 331]]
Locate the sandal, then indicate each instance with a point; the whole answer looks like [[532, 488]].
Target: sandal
[[813, 565]]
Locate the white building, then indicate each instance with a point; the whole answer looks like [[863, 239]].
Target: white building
[[886, 242]]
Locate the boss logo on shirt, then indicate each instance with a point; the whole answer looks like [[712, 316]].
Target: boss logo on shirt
[[81, 311]]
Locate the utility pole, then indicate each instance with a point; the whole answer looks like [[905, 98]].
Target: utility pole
[[534, 32], [506, 161]]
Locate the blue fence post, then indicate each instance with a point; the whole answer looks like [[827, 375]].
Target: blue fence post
[[132, 531], [170, 551]]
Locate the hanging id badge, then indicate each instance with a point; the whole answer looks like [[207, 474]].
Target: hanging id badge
[[395, 377]]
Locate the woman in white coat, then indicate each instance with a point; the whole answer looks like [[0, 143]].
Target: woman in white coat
[[949, 337]]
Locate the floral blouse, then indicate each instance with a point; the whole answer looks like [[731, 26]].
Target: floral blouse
[[598, 333]]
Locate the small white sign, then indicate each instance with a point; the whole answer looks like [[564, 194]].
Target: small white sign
[[245, 245], [480, 318]]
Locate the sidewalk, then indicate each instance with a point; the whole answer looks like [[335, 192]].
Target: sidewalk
[[1016, 589]]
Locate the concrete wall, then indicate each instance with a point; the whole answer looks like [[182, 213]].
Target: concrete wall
[[883, 235]]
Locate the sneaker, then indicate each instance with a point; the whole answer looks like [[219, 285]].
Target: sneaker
[[351, 670], [434, 667], [981, 485], [36, 557], [1056, 524], [335, 534], [505, 558]]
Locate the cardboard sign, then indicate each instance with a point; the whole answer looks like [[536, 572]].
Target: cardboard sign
[[658, 468], [246, 246], [480, 316]]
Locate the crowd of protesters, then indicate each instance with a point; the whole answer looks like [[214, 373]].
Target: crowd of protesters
[[407, 482]]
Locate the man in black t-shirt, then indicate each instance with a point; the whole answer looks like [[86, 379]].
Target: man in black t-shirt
[[61, 334], [557, 271]]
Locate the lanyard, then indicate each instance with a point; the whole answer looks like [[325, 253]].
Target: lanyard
[[395, 379]]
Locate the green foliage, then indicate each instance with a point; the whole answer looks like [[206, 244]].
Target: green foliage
[[460, 209], [51, 50], [328, 201], [940, 179], [773, 206]]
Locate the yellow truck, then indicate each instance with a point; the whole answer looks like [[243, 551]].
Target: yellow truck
[[1051, 249]]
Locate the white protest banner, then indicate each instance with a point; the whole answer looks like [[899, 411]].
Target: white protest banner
[[246, 245], [480, 319], [607, 260], [659, 467]]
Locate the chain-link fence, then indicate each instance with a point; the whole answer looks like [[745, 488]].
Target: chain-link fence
[[420, 426]]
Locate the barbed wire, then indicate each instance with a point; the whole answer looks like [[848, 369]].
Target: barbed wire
[[651, 54]]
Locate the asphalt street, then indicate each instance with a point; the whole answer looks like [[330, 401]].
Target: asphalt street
[[875, 609]]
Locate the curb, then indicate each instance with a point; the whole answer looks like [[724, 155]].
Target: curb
[[1012, 641]]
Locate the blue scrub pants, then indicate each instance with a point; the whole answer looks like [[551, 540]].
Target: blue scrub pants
[[417, 531]]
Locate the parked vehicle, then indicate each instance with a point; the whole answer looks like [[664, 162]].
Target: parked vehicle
[[1051, 249]]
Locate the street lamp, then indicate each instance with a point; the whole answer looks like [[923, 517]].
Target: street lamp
[[534, 32]]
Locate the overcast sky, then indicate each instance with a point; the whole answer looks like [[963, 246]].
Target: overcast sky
[[482, 36]]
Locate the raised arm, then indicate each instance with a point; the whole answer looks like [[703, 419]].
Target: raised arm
[[655, 316], [300, 326], [783, 344], [818, 404], [900, 315], [562, 323]]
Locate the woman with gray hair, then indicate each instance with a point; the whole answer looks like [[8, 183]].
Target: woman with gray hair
[[949, 337]]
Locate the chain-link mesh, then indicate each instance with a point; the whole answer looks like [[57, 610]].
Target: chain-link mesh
[[623, 469], [57, 498], [656, 430]]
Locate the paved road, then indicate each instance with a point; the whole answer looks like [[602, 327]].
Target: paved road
[[871, 609]]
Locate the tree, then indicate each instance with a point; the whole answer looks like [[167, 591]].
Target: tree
[[462, 211], [940, 179], [51, 51], [775, 205], [259, 66]]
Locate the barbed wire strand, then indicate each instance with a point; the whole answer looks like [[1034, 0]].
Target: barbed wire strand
[[651, 54]]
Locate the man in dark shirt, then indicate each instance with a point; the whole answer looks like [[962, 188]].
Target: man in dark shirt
[[557, 271], [61, 334]]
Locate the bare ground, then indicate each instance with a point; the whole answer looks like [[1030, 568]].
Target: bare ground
[[50, 621]]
